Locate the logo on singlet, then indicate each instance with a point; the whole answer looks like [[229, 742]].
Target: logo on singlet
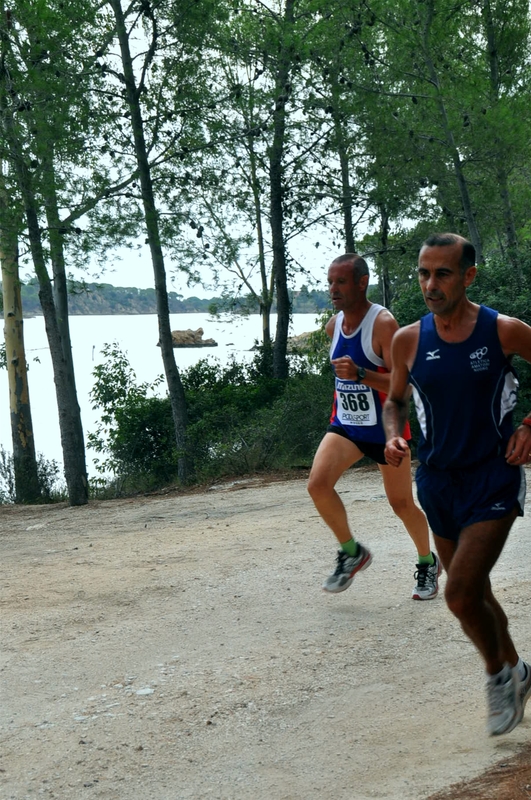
[[478, 361], [432, 355]]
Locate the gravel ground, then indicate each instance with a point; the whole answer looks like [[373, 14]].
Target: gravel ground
[[179, 646]]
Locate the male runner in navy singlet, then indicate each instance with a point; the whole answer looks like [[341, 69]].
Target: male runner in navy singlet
[[470, 480], [361, 335]]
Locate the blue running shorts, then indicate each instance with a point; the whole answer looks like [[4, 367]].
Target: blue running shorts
[[453, 499], [373, 450]]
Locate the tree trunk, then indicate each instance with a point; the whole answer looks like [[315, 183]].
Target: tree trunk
[[384, 274], [466, 202], [60, 288], [501, 171], [173, 379], [266, 296], [67, 405], [27, 489], [346, 199], [277, 189], [267, 286], [346, 191]]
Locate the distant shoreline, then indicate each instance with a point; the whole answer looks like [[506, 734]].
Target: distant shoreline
[[152, 313], [103, 299]]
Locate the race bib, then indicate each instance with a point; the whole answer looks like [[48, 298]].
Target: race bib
[[355, 404]]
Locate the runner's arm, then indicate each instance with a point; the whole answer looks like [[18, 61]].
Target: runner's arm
[[515, 339], [396, 407]]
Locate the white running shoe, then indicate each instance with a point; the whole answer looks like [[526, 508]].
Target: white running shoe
[[523, 689], [427, 577], [504, 708]]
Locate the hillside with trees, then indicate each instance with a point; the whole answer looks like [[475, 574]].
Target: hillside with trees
[[103, 298]]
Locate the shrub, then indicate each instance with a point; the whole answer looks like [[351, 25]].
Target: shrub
[[240, 421], [52, 487], [136, 430], [281, 434]]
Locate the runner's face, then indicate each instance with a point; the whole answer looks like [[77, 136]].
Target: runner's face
[[345, 290], [440, 278]]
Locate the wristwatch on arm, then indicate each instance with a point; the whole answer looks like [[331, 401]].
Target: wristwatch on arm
[[361, 373]]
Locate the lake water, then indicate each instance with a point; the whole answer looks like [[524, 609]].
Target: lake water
[[137, 336]]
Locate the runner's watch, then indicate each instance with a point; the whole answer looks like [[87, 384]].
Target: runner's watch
[[361, 373]]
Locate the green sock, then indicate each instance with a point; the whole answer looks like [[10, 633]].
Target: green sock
[[429, 559], [350, 547]]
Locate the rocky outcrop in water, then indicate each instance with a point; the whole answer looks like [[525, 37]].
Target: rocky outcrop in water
[[190, 338]]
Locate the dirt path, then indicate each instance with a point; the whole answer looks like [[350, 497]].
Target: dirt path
[[179, 647]]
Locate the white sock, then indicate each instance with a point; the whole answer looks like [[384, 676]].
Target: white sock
[[503, 676]]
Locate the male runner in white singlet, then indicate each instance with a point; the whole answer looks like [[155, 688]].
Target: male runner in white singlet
[[361, 336]]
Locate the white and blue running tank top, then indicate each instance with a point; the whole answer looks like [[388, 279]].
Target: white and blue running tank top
[[464, 394], [357, 408]]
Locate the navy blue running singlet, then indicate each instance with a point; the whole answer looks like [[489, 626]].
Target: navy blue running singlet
[[464, 393]]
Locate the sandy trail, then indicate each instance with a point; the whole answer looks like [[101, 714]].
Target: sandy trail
[[179, 646]]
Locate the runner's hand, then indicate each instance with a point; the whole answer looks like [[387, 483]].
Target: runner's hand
[[518, 450], [396, 449], [345, 368]]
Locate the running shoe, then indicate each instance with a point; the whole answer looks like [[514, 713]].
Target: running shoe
[[427, 577], [523, 688], [504, 707], [347, 567]]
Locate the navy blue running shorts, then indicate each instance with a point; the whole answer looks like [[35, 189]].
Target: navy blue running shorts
[[373, 450], [456, 498]]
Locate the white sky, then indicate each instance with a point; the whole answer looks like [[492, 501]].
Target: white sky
[[128, 268], [133, 268]]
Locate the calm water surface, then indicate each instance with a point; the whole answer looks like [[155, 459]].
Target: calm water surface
[[137, 336]]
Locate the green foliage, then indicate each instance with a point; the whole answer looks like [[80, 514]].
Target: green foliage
[[134, 428], [240, 421], [500, 285], [282, 435], [7, 477], [244, 422], [52, 487], [408, 304], [144, 440], [316, 354], [220, 402], [296, 422], [400, 112]]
